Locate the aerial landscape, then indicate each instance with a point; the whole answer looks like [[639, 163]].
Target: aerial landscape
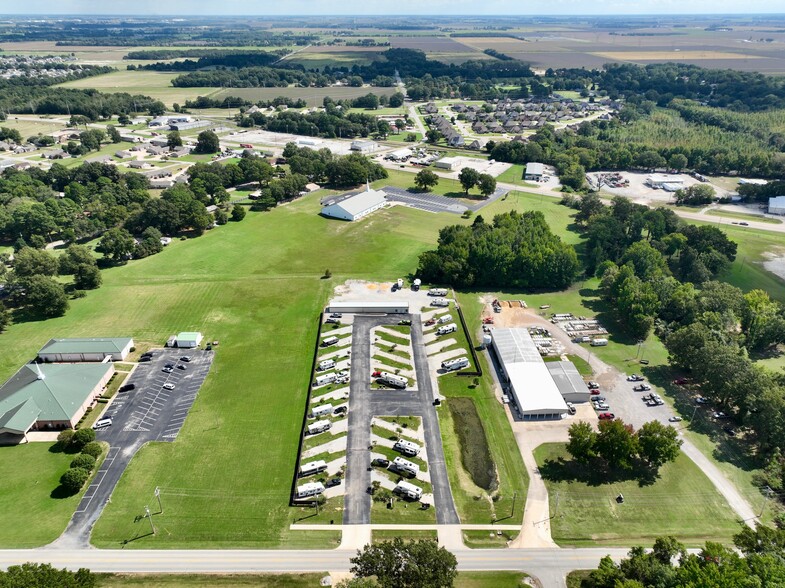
[[464, 295]]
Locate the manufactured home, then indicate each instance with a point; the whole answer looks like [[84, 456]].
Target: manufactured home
[[312, 467], [437, 292], [599, 342], [440, 302], [406, 447], [327, 364], [405, 466], [322, 410], [393, 380], [310, 489], [319, 427], [446, 329], [325, 379], [444, 319], [329, 341], [458, 363], [408, 490]]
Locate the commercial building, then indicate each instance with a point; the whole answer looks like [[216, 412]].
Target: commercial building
[[364, 146], [534, 171], [665, 181], [50, 396], [369, 307], [448, 163], [569, 381], [354, 205], [777, 205], [526, 375], [86, 349]]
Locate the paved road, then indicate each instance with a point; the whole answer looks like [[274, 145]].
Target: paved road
[[365, 403], [549, 565], [147, 413], [436, 203]]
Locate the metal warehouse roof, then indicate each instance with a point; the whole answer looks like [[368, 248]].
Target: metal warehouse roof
[[534, 168], [567, 377], [534, 388], [355, 203], [86, 345]]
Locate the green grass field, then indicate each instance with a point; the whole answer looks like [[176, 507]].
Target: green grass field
[[31, 516], [682, 503], [745, 217]]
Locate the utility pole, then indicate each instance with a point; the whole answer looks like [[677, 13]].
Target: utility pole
[[150, 518], [158, 496], [768, 496], [514, 497]]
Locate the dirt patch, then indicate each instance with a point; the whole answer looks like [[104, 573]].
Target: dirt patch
[[775, 262]]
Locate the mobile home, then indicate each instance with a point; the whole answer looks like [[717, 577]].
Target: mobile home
[[312, 467], [325, 379], [598, 342], [322, 410], [455, 364], [329, 341], [318, 427], [405, 466], [310, 489], [393, 380], [446, 318], [446, 329], [327, 364], [408, 490], [406, 447], [440, 302]]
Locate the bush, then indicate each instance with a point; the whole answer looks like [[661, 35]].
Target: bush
[[93, 448], [84, 461], [64, 437], [74, 479], [82, 437]]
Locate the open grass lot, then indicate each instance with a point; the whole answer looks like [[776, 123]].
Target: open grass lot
[[28, 127], [255, 286], [682, 503], [156, 84], [31, 516], [313, 96]]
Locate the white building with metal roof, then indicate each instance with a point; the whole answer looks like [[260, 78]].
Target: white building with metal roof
[[534, 171], [777, 205], [529, 380], [354, 205]]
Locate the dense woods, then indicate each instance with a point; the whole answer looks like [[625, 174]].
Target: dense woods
[[518, 250]]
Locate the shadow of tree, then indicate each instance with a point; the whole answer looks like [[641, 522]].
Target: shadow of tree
[[62, 492], [595, 473]]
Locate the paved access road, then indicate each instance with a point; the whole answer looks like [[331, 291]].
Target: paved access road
[[365, 403], [149, 412], [436, 203]]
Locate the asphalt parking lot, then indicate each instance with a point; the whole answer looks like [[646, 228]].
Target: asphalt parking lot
[[149, 412], [436, 203]]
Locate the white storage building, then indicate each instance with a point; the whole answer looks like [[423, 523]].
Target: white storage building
[[569, 381], [448, 163], [188, 339], [777, 205], [354, 205], [364, 146], [530, 383], [668, 182]]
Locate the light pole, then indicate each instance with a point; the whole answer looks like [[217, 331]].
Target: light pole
[[158, 496], [150, 518]]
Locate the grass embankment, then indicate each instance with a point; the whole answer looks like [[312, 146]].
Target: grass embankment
[[475, 453], [682, 502]]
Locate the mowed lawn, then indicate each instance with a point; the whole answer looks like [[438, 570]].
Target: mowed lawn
[[256, 287], [682, 502], [28, 474]]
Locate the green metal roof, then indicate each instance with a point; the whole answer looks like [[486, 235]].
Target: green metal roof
[[20, 418], [86, 345], [189, 335], [58, 390]]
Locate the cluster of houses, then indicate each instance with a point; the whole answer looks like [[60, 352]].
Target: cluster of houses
[[52, 66], [516, 116]]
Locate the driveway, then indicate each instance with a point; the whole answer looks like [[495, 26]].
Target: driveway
[[365, 403], [147, 413]]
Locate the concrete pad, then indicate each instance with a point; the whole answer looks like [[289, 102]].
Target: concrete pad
[[342, 330], [339, 352], [355, 537], [334, 466], [329, 446], [339, 394], [382, 331], [390, 356], [415, 434]]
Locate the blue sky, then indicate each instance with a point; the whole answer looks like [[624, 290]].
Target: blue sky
[[362, 7]]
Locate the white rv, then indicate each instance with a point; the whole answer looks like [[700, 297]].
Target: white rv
[[313, 467], [408, 490], [322, 410], [405, 466], [437, 292], [329, 341], [325, 379], [393, 380], [445, 318], [440, 302], [310, 489], [455, 364], [598, 342], [327, 364], [446, 329], [318, 427], [406, 447]]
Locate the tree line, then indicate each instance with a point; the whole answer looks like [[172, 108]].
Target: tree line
[[517, 250]]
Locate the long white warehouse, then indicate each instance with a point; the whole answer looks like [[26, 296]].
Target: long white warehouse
[[530, 382], [375, 307]]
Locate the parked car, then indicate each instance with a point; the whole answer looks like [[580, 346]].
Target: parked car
[[595, 392], [145, 358], [380, 462], [606, 416], [675, 419], [405, 322], [730, 431], [185, 358], [169, 365], [720, 415], [340, 410], [658, 401], [680, 381], [167, 370], [598, 399], [593, 385], [701, 400], [651, 402], [430, 322], [376, 374], [642, 388], [181, 366], [332, 482], [332, 320], [126, 387], [336, 315], [601, 406], [635, 378], [168, 386]]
